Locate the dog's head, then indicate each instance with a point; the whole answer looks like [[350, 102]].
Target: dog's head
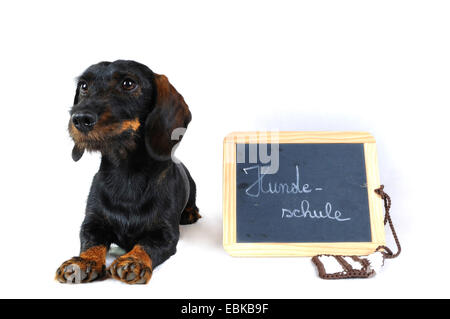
[[118, 104]]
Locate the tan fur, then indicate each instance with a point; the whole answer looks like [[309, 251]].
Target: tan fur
[[93, 259], [96, 253], [136, 261], [193, 214], [130, 125], [139, 253], [103, 129]]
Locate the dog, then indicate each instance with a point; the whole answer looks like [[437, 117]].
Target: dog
[[141, 193]]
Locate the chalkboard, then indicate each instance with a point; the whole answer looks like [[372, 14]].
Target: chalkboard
[[318, 197], [319, 194]]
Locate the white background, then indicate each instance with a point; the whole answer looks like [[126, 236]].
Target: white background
[[377, 66]]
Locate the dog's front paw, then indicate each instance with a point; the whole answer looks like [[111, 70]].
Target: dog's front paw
[[79, 270], [130, 270]]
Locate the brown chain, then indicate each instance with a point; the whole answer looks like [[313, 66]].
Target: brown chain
[[387, 218]]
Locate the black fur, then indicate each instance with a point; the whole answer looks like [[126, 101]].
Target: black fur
[[138, 196]]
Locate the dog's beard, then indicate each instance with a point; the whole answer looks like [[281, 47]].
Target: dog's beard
[[114, 142], [114, 150]]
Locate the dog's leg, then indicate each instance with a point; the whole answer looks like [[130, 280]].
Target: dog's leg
[[136, 266], [190, 214], [90, 265]]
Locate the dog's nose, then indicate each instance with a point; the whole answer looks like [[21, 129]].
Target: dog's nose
[[84, 121]]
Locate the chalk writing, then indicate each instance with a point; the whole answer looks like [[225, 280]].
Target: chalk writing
[[306, 212], [259, 188]]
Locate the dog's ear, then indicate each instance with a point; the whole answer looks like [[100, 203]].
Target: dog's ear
[[170, 116], [77, 151], [77, 92]]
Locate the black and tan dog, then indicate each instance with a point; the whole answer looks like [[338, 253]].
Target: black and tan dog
[[139, 196]]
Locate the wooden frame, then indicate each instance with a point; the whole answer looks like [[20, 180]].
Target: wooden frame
[[300, 249]]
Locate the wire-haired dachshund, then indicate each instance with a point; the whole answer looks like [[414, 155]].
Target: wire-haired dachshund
[[141, 193]]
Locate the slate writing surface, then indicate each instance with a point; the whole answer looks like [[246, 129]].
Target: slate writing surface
[[318, 194]]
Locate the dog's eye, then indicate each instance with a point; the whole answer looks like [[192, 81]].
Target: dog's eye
[[83, 86], [128, 84]]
